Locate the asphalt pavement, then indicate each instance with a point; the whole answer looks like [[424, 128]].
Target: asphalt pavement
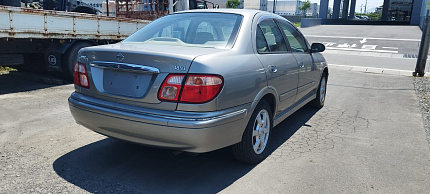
[[381, 47], [368, 138]]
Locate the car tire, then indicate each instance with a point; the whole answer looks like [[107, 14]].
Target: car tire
[[70, 57], [250, 150], [319, 101]]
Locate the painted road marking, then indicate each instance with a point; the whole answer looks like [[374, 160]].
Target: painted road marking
[[387, 47], [363, 50], [353, 47], [350, 37], [363, 41]]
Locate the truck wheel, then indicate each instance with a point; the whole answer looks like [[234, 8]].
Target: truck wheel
[[69, 58], [254, 146]]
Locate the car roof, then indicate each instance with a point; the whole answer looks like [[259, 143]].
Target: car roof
[[244, 12]]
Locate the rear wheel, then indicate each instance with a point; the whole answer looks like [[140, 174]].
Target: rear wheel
[[69, 58], [254, 146]]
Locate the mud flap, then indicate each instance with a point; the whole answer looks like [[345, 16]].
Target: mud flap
[[53, 55]]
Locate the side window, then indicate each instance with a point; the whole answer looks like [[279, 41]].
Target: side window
[[296, 40], [268, 30], [261, 42]]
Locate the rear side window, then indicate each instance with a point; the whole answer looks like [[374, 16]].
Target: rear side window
[[269, 31], [295, 39], [262, 46]]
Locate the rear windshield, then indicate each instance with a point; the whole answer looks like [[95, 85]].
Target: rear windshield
[[217, 30]]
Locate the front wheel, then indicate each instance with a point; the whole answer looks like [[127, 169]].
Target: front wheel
[[318, 102], [255, 141]]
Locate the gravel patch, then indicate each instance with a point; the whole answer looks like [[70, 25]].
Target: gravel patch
[[422, 88]]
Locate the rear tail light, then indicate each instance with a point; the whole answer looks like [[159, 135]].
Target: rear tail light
[[80, 75], [171, 87], [195, 88], [201, 88]]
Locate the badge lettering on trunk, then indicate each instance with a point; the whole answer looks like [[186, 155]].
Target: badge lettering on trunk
[[120, 57], [179, 68]]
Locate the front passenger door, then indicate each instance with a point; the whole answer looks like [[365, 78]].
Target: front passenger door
[[307, 69]]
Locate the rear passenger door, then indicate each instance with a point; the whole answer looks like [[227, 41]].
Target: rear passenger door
[[300, 49], [280, 65]]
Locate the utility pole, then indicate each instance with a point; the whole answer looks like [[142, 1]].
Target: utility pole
[[361, 9], [365, 7], [274, 6], [424, 48], [107, 7]]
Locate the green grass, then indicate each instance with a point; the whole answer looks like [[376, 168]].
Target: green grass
[[6, 70], [296, 24]]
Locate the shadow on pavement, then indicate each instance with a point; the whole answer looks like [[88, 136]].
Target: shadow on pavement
[[25, 81], [113, 166]]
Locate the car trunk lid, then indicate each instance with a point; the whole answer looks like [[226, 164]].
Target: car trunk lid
[[131, 73]]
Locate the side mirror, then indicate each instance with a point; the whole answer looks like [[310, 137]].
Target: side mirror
[[317, 47]]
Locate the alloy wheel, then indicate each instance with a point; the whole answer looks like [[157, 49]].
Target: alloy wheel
[[323, 86], [261, 130]]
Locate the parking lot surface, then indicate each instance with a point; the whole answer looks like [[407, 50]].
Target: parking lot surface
[[381, 47], [369, 138]]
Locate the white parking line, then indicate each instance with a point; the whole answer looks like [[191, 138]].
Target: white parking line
[[362, 50], [387, 47], [361, 38]]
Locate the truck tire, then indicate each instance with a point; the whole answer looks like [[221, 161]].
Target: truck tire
[[69, 58]]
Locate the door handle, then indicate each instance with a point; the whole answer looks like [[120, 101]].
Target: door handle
[[273, 68]]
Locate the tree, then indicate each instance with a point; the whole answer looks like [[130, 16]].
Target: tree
[[306, 5], [232, 3], [374, 16]]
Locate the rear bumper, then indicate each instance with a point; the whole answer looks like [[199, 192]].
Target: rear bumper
[[187, 131]]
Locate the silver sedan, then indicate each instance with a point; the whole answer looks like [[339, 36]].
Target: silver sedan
[[200, 80]]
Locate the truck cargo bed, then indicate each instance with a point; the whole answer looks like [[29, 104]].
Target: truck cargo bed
[[17, 22]]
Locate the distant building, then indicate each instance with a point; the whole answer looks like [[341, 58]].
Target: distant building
[[292, 8], [284, 7], [255, 4], [314, 10], [400, 10]]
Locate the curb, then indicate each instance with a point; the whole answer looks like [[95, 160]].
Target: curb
[[375, 70]]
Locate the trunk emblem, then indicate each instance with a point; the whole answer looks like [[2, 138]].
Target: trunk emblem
[[179, 68], [120, 57], [82, 58]]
